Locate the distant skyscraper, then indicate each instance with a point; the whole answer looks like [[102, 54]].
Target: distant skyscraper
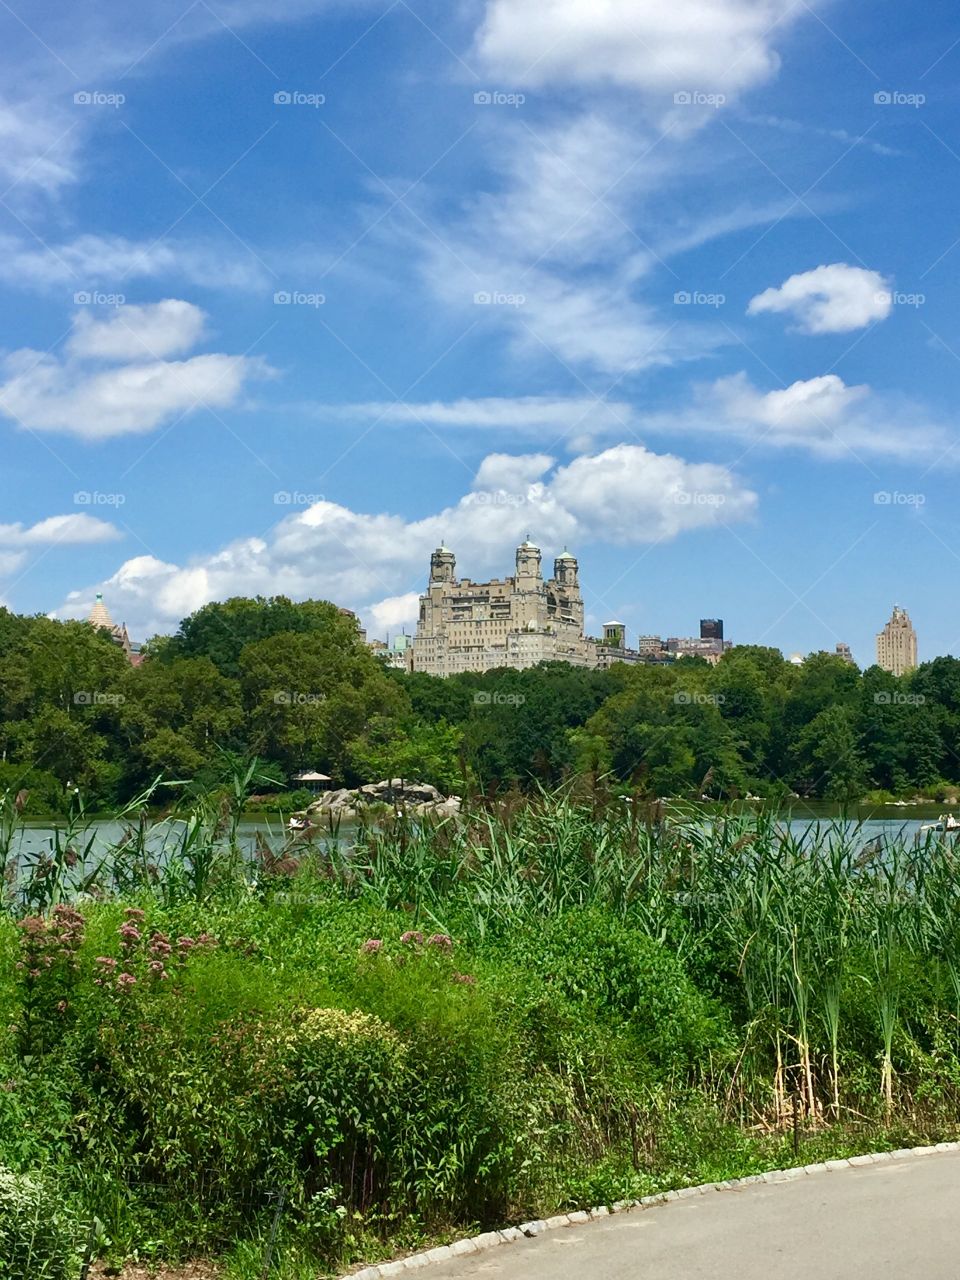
[[897, 644], [711, 628], [845, 652]]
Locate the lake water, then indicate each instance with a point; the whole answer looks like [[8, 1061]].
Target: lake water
[[889, 821]]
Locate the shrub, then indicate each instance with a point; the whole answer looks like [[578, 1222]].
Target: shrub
[[39, 1235]]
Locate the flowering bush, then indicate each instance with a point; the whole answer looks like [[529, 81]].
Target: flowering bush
[[40, 1238], [49, 968]]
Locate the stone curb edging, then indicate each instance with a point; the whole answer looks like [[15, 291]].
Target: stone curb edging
[[491, 1239]]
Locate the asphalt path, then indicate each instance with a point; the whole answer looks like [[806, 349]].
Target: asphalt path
[[896, 1219]]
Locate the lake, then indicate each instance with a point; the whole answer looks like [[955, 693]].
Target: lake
[[874, 820]]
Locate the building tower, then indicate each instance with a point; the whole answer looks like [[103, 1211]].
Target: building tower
[[528, 566], [566, 569], [897, 644], [711, 628], [443, 564], [615, 634]]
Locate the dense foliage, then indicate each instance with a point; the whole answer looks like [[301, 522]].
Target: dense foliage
[[295, 685], [544, 1003]]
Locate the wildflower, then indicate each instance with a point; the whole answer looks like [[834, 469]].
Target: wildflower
[[413, 937], [130, 934], [106, 962], [134, 913], [61, 1006], [126, 981], [159, 945], [372, 946], [441, 940], [467, 979]]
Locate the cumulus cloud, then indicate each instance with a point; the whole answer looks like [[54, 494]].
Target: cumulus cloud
[[705, 45], [822, 415], [77, 395], [158, 329], [377, 563], [829, 299]]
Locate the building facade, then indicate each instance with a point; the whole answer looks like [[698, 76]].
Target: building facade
[[897, 644], [506, 622]]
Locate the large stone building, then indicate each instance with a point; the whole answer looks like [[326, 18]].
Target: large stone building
[[897, 644], [507, 622]]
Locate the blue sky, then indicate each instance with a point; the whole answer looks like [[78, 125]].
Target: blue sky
[[288, 299]]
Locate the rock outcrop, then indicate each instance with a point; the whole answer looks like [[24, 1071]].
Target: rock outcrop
[[347, 804]]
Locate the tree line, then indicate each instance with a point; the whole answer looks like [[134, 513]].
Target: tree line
[[295, 685]]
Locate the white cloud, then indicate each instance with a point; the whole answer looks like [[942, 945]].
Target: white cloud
[[73, 395], [154, 330], [829, 299], [38, 145], [377, 563], [693, 45], [74, 529], [79, 529], [111, 263], [10, 561], [554, 250], [394, 612], [551, 415], [822, 415]]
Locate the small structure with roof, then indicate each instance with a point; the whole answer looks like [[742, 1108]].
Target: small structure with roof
[[311, 780]]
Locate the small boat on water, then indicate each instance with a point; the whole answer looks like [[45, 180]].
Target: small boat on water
[[947, 822]]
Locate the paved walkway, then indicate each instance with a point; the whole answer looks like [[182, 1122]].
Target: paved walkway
[[898, 1219]]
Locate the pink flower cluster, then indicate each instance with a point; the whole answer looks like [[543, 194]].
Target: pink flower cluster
[[149, 955], [441, 940], [49, 945]]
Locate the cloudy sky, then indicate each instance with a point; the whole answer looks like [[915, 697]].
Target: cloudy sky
[[291, 293]]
